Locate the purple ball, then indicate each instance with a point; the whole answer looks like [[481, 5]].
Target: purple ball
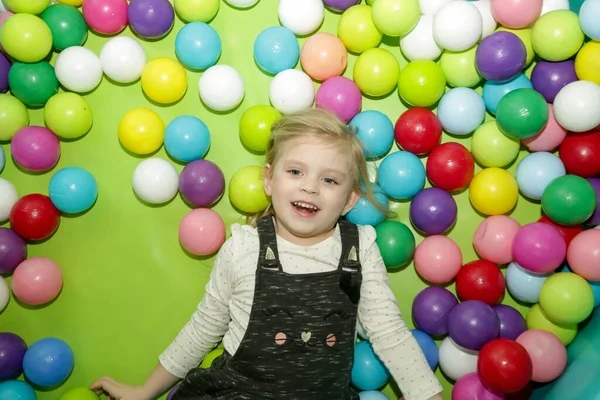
[[431, 309], [500, 56], [472, 324], [433, 211], [12, 351], [172, 392], [595, 218], [512, 323], [548, 78], [151, 19], [340, 5], [4, 68], [201, 183], [13, 250]]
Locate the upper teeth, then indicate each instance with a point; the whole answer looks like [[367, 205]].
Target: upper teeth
[[305, 205]]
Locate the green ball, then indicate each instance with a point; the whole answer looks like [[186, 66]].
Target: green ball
[[68, 115], [78, 393], [566, 298], [13, 116], [67, 26], [557, 35], [569, 200], [396, 243], [522, 113], [34, 83]]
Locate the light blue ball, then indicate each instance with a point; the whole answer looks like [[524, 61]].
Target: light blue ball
[[401, 175], [73, 190], [428, 346], [589, 19], [48, 362], [493, 92], [2, 158], [198, 45], [365, 213], [16, 390], [375, 132], [368, 372], [187, 138], [524, 285], [372, 395], [536, 171], [461, 110], [276, 49]]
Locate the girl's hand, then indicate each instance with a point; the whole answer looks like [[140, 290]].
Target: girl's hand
[[118, 390]]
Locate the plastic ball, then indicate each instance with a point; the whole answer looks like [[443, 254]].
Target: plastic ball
[[372, 395], [548, 78], [67, 25], [428, 346], [340, 95], [14, 389], [172, 392], [375, 132], [459, 67], [255, 126], [357, 29], [221, 88], [150, 19], [8, 198], [494, 92], [26, 38], [141, 131], [301, 18], [201, 183], [246, 190], [595, 218], [567, 231], [78, 69], [78, 393], [37, 280], [419, 44], [512, 323], [196, 10], [198, 45], [557, 35], [12, 351], [396, 17], [587, 64], [522, 113], [276, 49], [494, 237], [583, 254], [525, 35], [457, 25], [480, 280], [469, 384], [364, 211], [575, 105], [155, 181], [68, 115], [422, 83], [504, 366], [202, 232], [516, 13], [401, 175], [430, 7], [536, 171], [489, 24], [164, 80], [500, 56], [35, 148], [433, 211], [539, 248], [34, 217], [537, 319], [74, 3], [438, 259], [13, 251], [418, 130], [242, 3], [552, 5], [569, 200], [566, 298], [33, 83], [340, 5], [48, 362], [472, 324], [291, 90], [123, 59], [107, 17], [396, 243], [73, 190], [580, 153], [323, 56], [588, 17], [548, 354], [187, 138], [461, 111], [5, 65], [368, 372], [431, 308], [376, 72], [456, 361], [29, 7], [450, 166], [492, 148], [550, 137], [493, 191], [2, 159]]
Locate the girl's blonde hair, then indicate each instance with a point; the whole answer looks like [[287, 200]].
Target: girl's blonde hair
[[324, 125]]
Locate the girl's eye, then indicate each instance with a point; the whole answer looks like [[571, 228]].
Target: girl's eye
[[294, 172], [330, 181]]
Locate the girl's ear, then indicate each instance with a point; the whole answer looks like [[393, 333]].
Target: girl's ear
[[267, 178], [351, 202]]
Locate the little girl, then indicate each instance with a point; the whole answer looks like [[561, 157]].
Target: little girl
[[287, 291]]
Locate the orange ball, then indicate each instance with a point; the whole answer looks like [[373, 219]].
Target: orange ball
[[323, 56]]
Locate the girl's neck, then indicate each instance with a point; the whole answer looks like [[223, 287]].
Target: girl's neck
[[302, 241]]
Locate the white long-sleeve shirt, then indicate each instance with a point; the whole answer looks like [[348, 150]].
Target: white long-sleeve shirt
[[224, 311]]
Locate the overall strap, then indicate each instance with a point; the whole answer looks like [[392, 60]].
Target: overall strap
[[268, 257], [349, 266]]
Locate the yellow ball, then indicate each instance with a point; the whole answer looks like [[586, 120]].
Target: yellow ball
[[396, 17], [246, 190], [141, 131], [196, 10], [525, 35], [557, 35], [74, 3], [536, 319], [255, 126], [27, 6], [164, 80], [26, 38], [357, 30], [493, 191], [587, 63], [210, 357], [376, 72], [492, 148], [459, 68], [422, 83]]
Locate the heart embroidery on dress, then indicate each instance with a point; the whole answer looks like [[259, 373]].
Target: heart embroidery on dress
[[305, 336]]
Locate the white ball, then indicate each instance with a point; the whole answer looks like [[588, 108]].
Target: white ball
[[221, 87], [123, 59], [552, 5], [419, 44], [291, 90], [489, 23], [4, 294], [456, 361], [78, 69], [301, 17], [457, 25], [576, 106], [155, 180], [429, 7], [597, 227], [8, 198], [241, 3]]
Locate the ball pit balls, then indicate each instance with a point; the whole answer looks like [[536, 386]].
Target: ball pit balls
[[372, 395], [535, 172], [516, 13], [493, 92], [493, 191], [457, 25], [368, 372], [459, 67], [164, 80], [512, 323], [461, 111], [323, 56], [8, 198], [422, 83], [155, 181], [48, 362], [537, 319], [401, 175], [566, 298], [492, 148], [548, 78], [37, 280], [456, 361], [557, 35], [504, 366], [376, 72], [196, 10], [246, 190], [13, 250], [583, 254], [357, 30], [78, 393], [198, 45], [141, 131], [489, 24], [26, 38], [375, 132], [29, 7], [67, 25], [550, 137], [17, 389], [301, 18], [480, 280], [471, 383], [364, 211], [419, 44], [33, 83], [291, 90], [5, 65], [524, 285], [438, 259], [569, 200], [418, 130], [431, 309], [74, 3], [472, 324], [276, 49], [202, 232], [341, 96], [580, 153], [255, 126], [172, 392], [35, 148], [78, 69], [396, 243], [123, 59], [73, 190], [548, 354], [187, 138], [221, 88], [34, 217], [107, 17], [68, 115], [450, 166], [500, 56], [539, 248], [433, 211], [396, 17], [525, 36], [494, 237], [575, 105], [522, 113], [2, 159], [588, 17], [340, 5], [12, 348], [428, 346], [150, 19], [567, 231], [241, 3], [201, 183]]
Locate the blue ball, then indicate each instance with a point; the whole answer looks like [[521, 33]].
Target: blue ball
[[524, 285], [493, 92], [187, 138], [48, 362], [401, 175], [588, 19], [368, 372], [536, 171], [2, 159], [198, 45], [372, 395], [375, 132], [276, 49], [16, 390], [461, 110], [365, 213], [73, 190], [428, 347]]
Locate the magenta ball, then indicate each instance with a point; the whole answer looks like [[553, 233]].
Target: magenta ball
[[470, 387], [151, 19], [500, 56], [340, 5], [201, 183], [548, 78], [472, 324], [539, 248], [35, 148], [13, 250], [431, 308], [340, 95], [433, 211], [512, 323]]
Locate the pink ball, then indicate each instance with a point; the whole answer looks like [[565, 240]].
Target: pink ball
[[539, 248], [583, 255], [105, 16], [516, 14], [35, 148], [202, 232], [438, 259], [37, 280], [469, 386], [3, 17], [493, 239], [340, 95], [548, 354], [549, 138]]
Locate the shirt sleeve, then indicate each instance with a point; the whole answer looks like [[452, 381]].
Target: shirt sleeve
[[382, 322], [208, 323]]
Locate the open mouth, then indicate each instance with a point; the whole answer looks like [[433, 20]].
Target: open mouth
[[305, 208]]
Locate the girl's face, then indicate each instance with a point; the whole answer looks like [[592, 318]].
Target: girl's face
[[311, 186]]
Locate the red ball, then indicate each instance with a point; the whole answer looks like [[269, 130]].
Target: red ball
[[450, 166], [34, 217], [568, 231], [480, 280], [418, 130], [504, 366], [580, 153]]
